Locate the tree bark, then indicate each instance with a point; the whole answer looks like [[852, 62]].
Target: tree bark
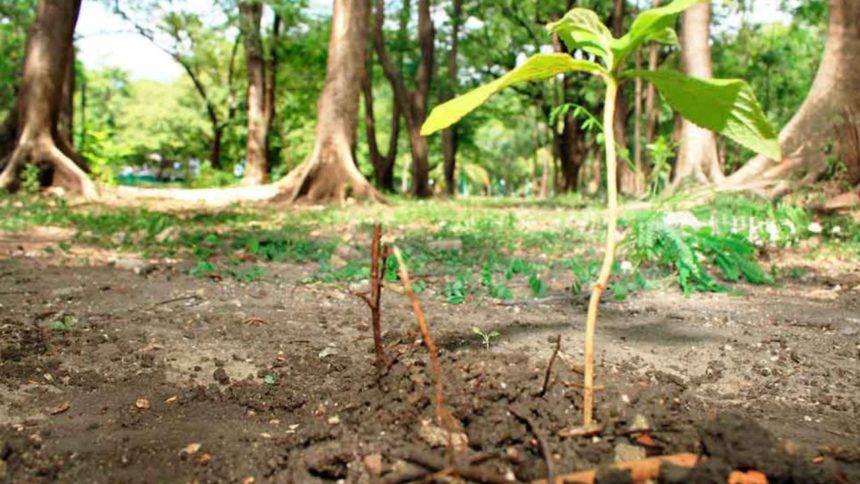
[[697, 156], [383, 164], [330, 173], [39, 100], [449, 136], [413, 104], [652, 114], [630, 180], [571, 153], [829, 113], [256, 157]]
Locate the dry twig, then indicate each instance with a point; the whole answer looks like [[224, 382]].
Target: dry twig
[[377, 273], [442, 416], [548, 374]]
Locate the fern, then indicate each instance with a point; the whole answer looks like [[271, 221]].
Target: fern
[[685, 251]]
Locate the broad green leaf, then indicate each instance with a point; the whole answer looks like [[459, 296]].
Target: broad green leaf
[[726, 106], [582, 29], [536, 68], [667, 36], [649, 25]]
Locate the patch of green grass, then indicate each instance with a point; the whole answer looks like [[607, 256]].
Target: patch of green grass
[[497, 248]]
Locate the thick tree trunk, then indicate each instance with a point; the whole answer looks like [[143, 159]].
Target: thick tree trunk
[[571, 150], [330, 173], [38, 105], [449, 136], [830, 112], [256, 162], [413, 105], [697, 156]]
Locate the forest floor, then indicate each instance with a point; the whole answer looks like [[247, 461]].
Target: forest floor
[[131, 351]]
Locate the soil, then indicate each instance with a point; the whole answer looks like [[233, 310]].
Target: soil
[[110, 374]]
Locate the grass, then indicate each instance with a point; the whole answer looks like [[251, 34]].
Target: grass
[[507, 248]]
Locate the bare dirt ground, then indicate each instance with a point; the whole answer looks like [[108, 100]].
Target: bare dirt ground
[[108, 375]]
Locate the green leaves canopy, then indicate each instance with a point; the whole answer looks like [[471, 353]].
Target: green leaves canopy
[[726, 106], [536, 68]]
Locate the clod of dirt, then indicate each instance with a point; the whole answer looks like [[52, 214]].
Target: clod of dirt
[[438, 437], [733, 442], [629, 453], [220, 375]]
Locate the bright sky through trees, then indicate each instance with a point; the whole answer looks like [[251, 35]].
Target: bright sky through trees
[[105, 40]]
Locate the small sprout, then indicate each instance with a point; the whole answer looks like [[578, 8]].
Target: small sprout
[[269, 379], [486, 337]]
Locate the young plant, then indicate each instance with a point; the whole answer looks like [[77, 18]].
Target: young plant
[[727, 106], [486, 337]]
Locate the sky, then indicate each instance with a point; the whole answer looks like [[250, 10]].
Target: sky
[[106, 40]]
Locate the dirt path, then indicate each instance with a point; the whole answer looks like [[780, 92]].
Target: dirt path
[[109, 376]]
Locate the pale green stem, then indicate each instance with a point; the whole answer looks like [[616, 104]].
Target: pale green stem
[[609, 256]]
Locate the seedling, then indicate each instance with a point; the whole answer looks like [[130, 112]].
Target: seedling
[[68, 323], [727, 106], [486, 337]]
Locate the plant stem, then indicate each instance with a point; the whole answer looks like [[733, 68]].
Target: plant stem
[[609, 256]]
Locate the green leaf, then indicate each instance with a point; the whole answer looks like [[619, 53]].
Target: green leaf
[[726, 106], [536, 68], [581, 28], [650, 25], [667, 36]]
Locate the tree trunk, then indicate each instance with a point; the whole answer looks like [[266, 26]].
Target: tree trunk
[[413, 105], [256, 162], [330, 172], [383, 164], [652, 113], [830, 111], [272, 81], [697, 156], [630, 180], [449, 136], [38, 104], [571, 144]]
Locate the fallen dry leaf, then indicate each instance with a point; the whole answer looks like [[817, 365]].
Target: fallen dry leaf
[[818, 460], [249, 480], [203, 459], [190, 450], [171, 399], [373, 463], [749, 477], [59, 408], [142, 404]]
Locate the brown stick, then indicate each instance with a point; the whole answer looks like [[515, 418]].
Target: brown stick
[[548, 374], [640, 470], [377, 272], [441, 414]]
